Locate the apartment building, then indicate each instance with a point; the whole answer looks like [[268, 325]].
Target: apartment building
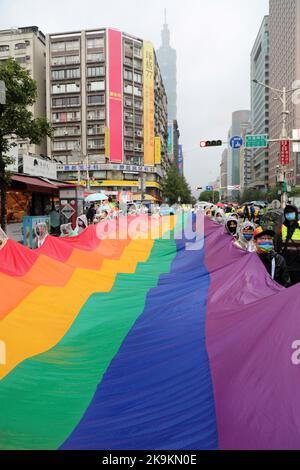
[[107, 103]]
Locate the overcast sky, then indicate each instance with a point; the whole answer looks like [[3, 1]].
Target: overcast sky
[[213, 39]]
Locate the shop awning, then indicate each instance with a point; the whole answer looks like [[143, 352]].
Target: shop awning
[[35, 184]]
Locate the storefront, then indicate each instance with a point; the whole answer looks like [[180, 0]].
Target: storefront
[[29, 196]]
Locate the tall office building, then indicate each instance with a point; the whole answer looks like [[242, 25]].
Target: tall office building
[[108, 106], [224, 175], [260, 105], [27, 46], [284, 26], [238, 162], [166, 56]]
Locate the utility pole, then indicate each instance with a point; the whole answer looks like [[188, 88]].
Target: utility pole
[[282, 96]]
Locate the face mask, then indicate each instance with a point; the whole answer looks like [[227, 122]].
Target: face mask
[[290, 216], [232, 230], [265, 247], [248, 236]]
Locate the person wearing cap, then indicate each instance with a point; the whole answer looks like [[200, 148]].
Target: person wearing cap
[[273, 262], [289, 242]]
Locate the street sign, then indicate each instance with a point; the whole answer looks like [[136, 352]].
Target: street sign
[[235, 187], [285, 150], [68, 211], [209, 188], [236, 142], [256, 141]]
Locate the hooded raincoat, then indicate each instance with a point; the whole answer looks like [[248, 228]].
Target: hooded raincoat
[[241, 242]]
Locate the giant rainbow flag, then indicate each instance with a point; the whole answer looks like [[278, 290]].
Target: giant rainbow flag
[[145, 344]]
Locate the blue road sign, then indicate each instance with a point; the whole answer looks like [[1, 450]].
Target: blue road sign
[[236, 142], [209, 188]]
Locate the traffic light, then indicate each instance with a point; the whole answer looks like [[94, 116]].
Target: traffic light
[[211, 143]]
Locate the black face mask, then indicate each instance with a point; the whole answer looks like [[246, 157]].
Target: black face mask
[[232, 230]]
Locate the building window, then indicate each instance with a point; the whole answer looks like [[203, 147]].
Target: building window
[[96, 99], [57, 102], [138, 91], [128, 145], [138, 78], [95, 143], [72, 45], [72, 59], [96, 129], [127, 75], [128, 132], [95, 71], [62, 102], [20, 45], [138, 105], [137, 51], [138, 133], [128, 117], [58, 60], [72, 87], [66, 88], [58, 74], [138, 64], [73, 144], [138, 120], [128, 102], [96, 86], [4, 48], [128, 61], [95, 57], [72, 73], [20, 60], [96, 114], [58, 46], [66, 145], [128, 89], [95, 42], [59, 145], [65, 131], [138, 147], [74, 116]]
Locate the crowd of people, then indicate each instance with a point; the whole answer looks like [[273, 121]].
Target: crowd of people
[[279, 252]]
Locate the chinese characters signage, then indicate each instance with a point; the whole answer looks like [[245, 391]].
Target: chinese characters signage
[[148, 57], [285, 152], [114, 141], [157, 151]]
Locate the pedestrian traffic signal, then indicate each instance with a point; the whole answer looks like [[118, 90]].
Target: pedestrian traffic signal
[[211, 143]]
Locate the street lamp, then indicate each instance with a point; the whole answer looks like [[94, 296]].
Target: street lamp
[[282, 96]]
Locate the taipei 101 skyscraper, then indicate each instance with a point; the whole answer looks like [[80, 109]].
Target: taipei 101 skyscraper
[[166, 57]]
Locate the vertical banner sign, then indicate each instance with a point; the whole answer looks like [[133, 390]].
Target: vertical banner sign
[[157, 151], [148, 59], [285, 152], [170, 139], [180, 160], [106, 142], [115, 96]]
